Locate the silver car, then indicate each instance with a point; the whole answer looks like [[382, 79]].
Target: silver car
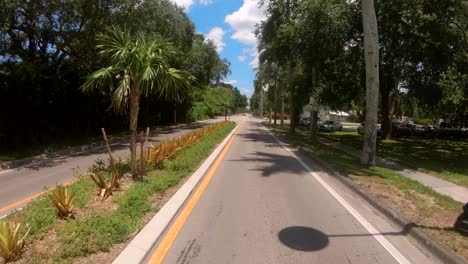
[[331, 126]]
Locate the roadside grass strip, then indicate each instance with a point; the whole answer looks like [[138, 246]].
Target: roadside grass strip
[[97, 230]]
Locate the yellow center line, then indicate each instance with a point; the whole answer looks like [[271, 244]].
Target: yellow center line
[[171, 235]]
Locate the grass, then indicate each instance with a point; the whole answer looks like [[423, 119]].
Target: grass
[[351, 166], [430, 210], [443, 158], [99, 231]]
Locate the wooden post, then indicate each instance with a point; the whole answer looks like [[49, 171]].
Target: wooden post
[[142, 154], [147, 135], [111, 159]]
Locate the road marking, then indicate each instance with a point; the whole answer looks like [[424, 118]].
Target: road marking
[[32, 197], [5, 171], [368, 226], [174, 230]]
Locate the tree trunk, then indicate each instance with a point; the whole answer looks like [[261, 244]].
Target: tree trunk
[[282, 111], [134, 108], [313, 120], [292, 109], [275, 117], [260, 110], [313, 110], [292, 125], [269, 115], [388, 108], [175, 115], [371, 52]]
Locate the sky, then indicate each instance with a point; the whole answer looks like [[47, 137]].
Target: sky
[[230, 25]]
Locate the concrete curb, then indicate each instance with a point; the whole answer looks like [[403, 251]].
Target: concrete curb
[[140, 246], [442, 252]]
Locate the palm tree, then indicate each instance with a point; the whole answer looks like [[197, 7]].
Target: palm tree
[[138, 66], [371, 49]]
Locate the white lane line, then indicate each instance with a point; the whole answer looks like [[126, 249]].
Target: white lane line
[[368, 226]]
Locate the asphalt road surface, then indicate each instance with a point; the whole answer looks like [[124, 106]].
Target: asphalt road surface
[[263, 206], [30, 179]]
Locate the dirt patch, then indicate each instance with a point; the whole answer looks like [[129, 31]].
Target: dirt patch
[[97, 205], [45, 247], [157, 201], [422, 209], [41, 248]]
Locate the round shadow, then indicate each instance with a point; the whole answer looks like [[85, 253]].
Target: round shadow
[[303, 238]]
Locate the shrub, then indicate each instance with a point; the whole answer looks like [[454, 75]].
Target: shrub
[[11, 245], [105, 189], [168, 149], [63, 201]]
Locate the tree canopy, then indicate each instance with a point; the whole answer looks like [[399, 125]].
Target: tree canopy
[[47, 48]]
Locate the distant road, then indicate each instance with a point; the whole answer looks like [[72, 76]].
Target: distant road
[[30, 179]]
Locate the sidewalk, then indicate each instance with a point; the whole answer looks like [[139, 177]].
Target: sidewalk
[[456, 192]]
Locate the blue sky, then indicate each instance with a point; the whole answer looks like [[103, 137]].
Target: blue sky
[[229, 24]]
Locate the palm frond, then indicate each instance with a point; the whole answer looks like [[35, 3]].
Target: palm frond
[[175, 84], [116, 43], [100, 79], [120, 95], [139, 66]]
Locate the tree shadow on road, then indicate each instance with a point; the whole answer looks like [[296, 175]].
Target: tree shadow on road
[[271, 163]]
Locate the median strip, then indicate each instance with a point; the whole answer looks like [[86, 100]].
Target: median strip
[[98, 225]]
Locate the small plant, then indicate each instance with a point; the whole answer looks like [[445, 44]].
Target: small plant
[[11, 245], [168, 149], [99, 179], [105, 189], [63, 201], [99, 165]]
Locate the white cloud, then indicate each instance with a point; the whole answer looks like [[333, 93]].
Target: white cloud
[[246, 91], [206, 2], [241, 58], [231, 82], [185, 4], [243, 23], [216, 35]]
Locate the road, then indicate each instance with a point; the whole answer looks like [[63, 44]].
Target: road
[[263, 206], [28, 180]]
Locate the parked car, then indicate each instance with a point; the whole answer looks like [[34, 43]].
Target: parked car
[[305, 121], [401, 130], [360, 129], [331, 126], [417, 130]]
